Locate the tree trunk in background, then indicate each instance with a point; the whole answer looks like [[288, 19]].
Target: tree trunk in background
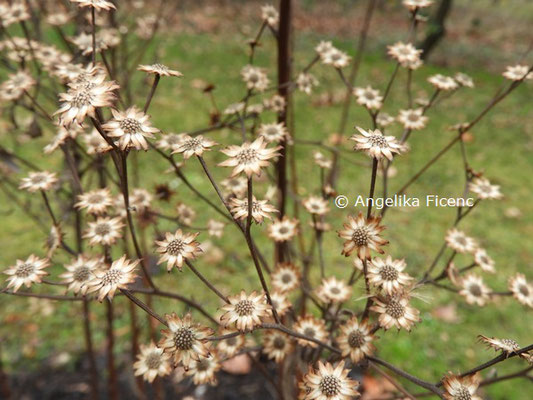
[[284, 76], [436, 28]]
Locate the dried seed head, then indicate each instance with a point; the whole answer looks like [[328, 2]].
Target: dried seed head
[[389, 273], [360, 236], [175, 247], [356, 339], [395, 309], [244, 308], [330, 386], [130, 125], [184, 338]]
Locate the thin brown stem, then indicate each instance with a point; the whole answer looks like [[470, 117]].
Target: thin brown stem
[[93, 20], [206, 281], [157, 77], [93, 371], [110, 346]]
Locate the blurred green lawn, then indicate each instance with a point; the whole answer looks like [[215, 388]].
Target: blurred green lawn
[[502, 148]]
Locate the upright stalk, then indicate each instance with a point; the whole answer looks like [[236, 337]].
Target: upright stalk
[[112, 372], [93, 19], [125, 193], [361, 44], [93, 371], [284, 78]]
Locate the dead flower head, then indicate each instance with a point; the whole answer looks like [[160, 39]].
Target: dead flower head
[[245, 311], [521, 289], [193, 146], [395, 310], [474, 290], [178, 247], [35, 181], [26, 272], [249, 157], [375, 144], [276, 345], [185, 340], [363, 235], [330, 383], [311, 327], [159, 69], [355, 340], [388, 274], [104, 230], [152, 362], [107, 281], [96, 201], [285, 278], [260, 209], [458, 388], [80, 272], [459, 242], [283, 230], [131, 127]]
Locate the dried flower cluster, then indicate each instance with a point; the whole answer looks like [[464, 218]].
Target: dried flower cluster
[[313, 316]]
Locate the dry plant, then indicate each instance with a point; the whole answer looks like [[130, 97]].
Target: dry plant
[[297, 314]]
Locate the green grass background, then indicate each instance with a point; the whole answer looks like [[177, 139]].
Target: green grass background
[[502, 148]]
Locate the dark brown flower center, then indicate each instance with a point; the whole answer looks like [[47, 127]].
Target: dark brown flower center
[[25, 270], [330, 385], [310, 332], [463, 394], [175, 247], [461, 240], [247, 156], [82, 98], [369, 95], [272, 131], [404, 50], [38, 178], [379, 141], [184, 338], [334, 290], [256, 207], [413, 117], [112, 277], [286, 278], [511, 344], [389, 273], [524, 290], [244, 308], [283, 230], [153, 360], [279, 343], [172, 139], [360, 236], [130, 125], [95, 199], [102, 229], [192, 144], [356, 339], [160, 67], [395, 309], [81, 274], [485, 188], [253, 77], [475, 290], [203, 365], [335, 56]]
